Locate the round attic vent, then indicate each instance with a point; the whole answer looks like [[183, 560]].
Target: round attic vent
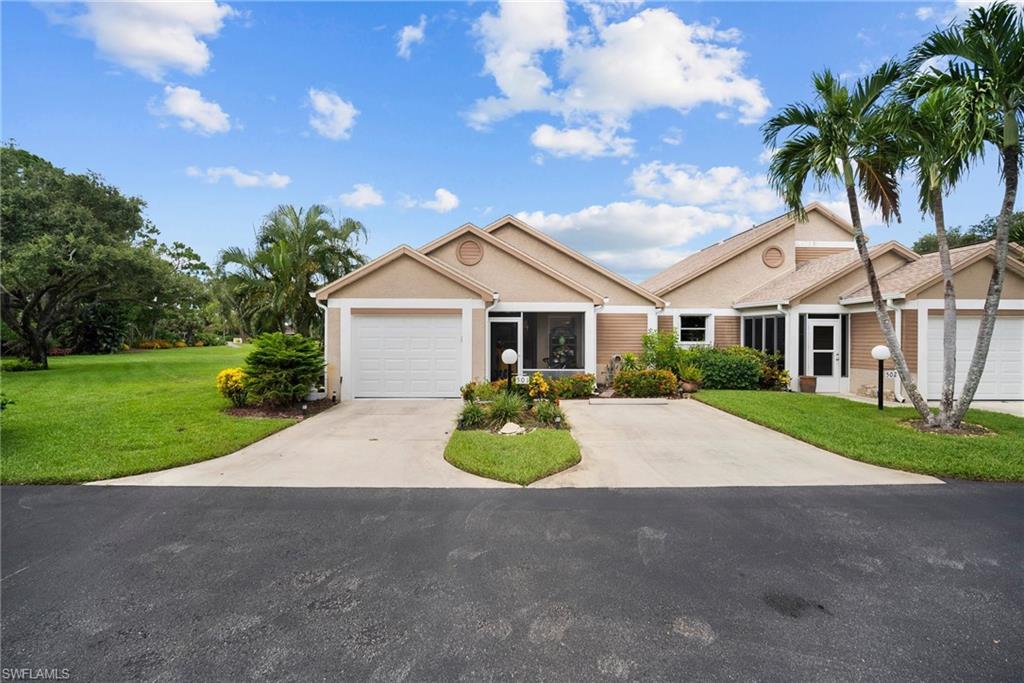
[[773, 257], [469, 252]]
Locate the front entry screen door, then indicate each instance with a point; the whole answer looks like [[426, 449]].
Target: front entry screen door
[[504, 335], [823, 353]]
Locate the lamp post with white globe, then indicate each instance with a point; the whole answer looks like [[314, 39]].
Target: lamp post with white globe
[[509, 358], [881, 354]]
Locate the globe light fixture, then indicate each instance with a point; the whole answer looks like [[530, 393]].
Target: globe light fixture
[[881, 354], [509, 358]]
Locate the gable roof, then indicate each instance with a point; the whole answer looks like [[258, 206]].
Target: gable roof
[[815, 274], [470, 229], [927, 270], [577, 256], [472, 284], [710, 257]]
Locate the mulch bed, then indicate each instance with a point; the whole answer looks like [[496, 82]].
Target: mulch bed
[[294, 412], [966, 429]]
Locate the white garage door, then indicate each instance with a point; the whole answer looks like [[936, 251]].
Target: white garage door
[[406, 356], [1003, 379]]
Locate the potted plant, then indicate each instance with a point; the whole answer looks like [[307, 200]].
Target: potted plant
[[690, 378], [808, 384]]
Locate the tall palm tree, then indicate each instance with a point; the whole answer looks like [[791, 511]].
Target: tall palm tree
[[297, 251], [845, 136], [938, 157], [986, 64]]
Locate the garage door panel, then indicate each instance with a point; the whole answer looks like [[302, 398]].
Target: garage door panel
[[1003, 378], [406, 356]]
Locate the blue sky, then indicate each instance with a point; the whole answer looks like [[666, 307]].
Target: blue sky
[[630, 131]]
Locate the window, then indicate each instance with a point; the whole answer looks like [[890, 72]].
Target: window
[[693, 329], [765, 333], [552, 341]]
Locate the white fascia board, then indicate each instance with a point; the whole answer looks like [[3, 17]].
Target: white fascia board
[[404, 303], [543, 307], [825, 243]]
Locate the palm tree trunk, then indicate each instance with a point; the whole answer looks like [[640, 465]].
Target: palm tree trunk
[[888, 329], [1011, 161], [948, 313]]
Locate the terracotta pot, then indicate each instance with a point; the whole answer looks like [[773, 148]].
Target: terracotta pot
[[689, 387], [808, 384]]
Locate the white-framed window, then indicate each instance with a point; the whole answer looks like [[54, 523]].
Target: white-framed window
[[694, 330]]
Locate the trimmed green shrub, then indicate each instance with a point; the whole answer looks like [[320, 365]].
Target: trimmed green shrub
[[210, 339], [645, 383], [506, 408], [473, 416], [580, 385], [725, 368], [20, 365], [661, 351], [4, 402], [548, 413], [281, 368]]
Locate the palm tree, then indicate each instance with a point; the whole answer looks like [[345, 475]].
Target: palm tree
[[938, 158], [845, 136], [986, 64], [297, 251]]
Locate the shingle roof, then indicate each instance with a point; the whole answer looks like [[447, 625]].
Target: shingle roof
[[708, 257], [810, 276], [916, 273]]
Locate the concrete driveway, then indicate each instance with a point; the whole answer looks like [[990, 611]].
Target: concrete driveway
[[358, 443], [686, 443]]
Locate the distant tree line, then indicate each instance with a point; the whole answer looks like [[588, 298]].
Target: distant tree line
[[982, 231], [82, 269]]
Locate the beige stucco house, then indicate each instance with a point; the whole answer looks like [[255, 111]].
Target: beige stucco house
[[422, 322]]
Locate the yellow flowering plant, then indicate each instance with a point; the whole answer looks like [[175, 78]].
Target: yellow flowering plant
[[231, 385], [538, 387]]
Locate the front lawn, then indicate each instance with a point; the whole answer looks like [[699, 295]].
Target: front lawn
[[862, 432], [98, 417], [521, 459]]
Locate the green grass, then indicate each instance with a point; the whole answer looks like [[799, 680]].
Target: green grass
[[862, 432], [517, 459], [97, 417]]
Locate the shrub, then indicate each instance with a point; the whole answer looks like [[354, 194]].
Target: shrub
[[645, 383], [506, 408], [199, 344], [4, 402], [472, 416], [538, 388], [580, 385], [486, 391], [661, 351], [210, 339], [690, 373], [548, 412], [20, 365], [281, 368], [773, 375], [630, 361], [180, 344], [468, 391], [725, 368], [231, 385], [500, 386], [60, 351], [153, 344]]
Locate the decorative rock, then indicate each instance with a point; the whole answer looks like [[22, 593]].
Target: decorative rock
[[511, 428]]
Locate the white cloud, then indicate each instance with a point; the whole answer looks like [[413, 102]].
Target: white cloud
[[361, 196], [723, 188], [411, 35], [239, 178], [635, 238], [766, 155], [443, 201], [192, 111], [582, 142], [149, 37], [673, 136], [924, 13], [608, 71], [332, 116]]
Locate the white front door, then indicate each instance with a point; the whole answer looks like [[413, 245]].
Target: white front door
[[1003, 378], [823, 353], [406, 356]]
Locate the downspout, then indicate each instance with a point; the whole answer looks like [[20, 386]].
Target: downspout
[[487, 333], [323, 308], [897, 386]]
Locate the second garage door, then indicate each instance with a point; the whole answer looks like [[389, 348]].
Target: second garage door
[[406, 356], [1003, 379]]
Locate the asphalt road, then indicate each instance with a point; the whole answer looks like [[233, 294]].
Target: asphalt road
[[846, 583]]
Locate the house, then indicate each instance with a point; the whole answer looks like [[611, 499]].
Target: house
[[422, 322], [798, 289]]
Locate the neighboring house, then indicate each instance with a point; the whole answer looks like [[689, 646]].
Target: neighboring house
[[422, 322], [798, 289]]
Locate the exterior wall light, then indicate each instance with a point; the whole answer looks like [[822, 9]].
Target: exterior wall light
[[881, 354], [509, 358]]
